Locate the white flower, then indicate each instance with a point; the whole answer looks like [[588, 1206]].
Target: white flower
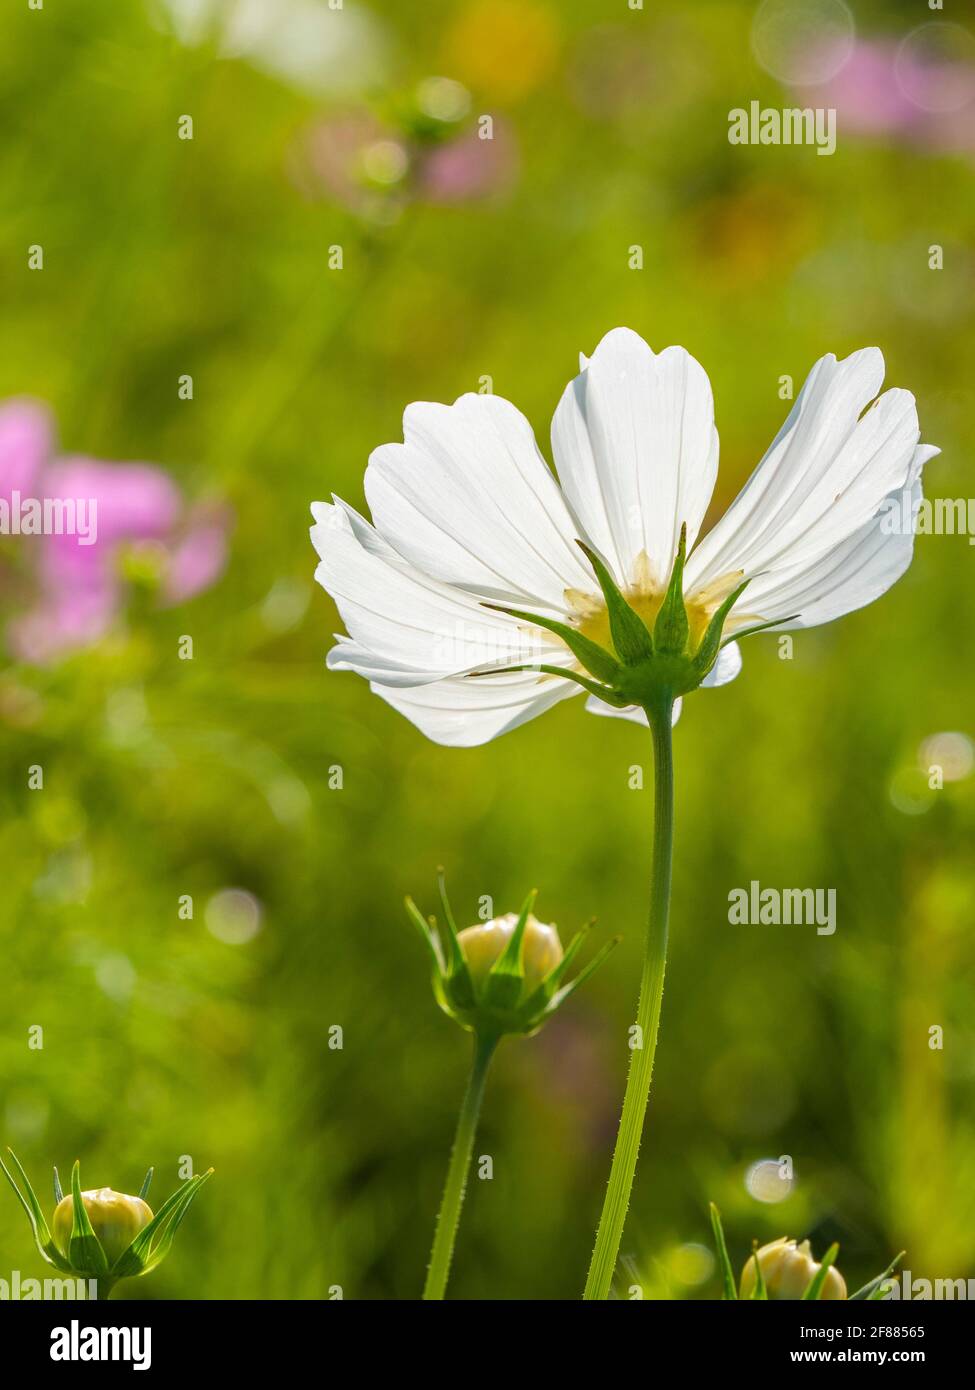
[[466, 512]]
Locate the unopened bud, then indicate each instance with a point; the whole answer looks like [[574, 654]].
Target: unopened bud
[[115, 1218], [788, 1269], [483, 945]]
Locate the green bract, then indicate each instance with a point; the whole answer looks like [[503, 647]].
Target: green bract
[[645, 668], [520, 989], [80, 1251]]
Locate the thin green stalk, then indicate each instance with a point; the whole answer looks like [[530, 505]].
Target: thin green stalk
[[448, 1217], [610, 1230]]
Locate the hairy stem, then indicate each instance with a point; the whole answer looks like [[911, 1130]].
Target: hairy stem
[[448, 1217], [610, 1229]]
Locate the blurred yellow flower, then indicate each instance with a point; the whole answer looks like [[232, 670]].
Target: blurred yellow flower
[[502, 48]]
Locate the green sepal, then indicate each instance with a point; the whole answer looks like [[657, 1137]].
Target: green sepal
[[43, 1239], [760, 1290], [816, 1283], [84, 1248], [603, 692], [506, 978], [559, 998], [727, 1273], [426, 930], [707, 652], [873, 1289], [58, 1194], [672, 628], [757, 627], [631, 636], [142, 1255], [594, 657], [144, 1189], [550, 983], [456, 979]]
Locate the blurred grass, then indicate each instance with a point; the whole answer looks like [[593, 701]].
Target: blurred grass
[[165, 777]]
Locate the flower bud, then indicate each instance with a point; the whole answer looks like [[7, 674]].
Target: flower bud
[[502, 976], [483, 944], [115, 1218], [788, 1269]]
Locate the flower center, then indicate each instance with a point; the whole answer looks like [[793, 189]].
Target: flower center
[[588, 612]]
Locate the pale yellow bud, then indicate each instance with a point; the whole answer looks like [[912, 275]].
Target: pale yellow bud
[[115, 1218], [788, 1269], [482, 945]]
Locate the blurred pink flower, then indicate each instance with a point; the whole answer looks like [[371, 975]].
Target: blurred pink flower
[[468, 167], [904, 90], [374, 168], [25, 443], [78, 590]]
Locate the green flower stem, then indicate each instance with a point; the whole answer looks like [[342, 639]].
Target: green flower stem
[[448, 1217], [610, 1230]]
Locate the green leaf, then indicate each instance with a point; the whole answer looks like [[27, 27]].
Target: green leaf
[[631, 636], [143, 1190], [727, 1273], [43, 1239], [84, 1248], [671, 629], [594, 657], [874, 1288], [58, 1194], [819, 1278], [153, 1242]]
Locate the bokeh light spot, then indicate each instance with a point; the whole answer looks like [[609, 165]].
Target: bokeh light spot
[[233, 916], [952, 751], [935, 67], [766, 1181], [803, 41]]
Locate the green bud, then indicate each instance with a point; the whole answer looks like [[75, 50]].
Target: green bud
[[484, 944], [788, 1269], [501, 976], [101, 1233], [116, 1220]]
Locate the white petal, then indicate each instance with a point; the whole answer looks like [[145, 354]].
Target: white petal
[[726, 668], [826, 474], [632, 712], [408, 628], [636, 451], [852, 574], [463, 712], [469, 499]]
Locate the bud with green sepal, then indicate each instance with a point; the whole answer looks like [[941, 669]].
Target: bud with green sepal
[[495, 978], [502, 976], [101, 1234], [784, 1269]]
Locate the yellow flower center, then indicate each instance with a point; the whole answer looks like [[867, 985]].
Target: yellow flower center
[[589, 615]]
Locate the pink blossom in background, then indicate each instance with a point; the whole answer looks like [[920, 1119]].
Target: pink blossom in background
[[468, 167], [901, 89], [77, 591], [25, 443], [374, 168]]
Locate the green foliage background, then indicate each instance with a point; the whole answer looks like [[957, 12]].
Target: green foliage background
[[166, 777]]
